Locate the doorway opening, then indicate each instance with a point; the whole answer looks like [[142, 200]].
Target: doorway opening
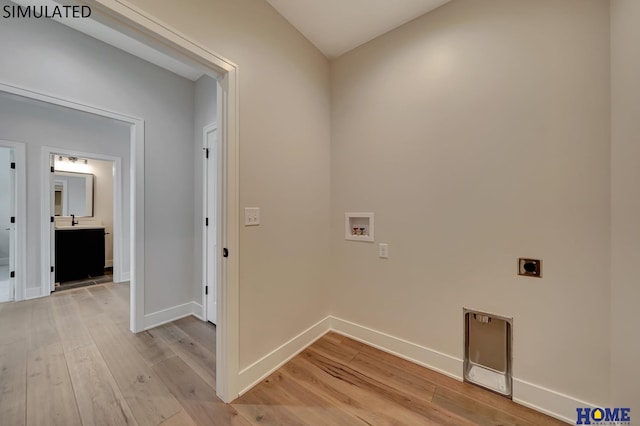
[[83, 197], [136, 25]]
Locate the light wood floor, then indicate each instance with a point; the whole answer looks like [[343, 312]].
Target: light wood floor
[[70, 359]]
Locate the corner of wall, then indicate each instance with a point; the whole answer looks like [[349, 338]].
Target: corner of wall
[[171, 314]]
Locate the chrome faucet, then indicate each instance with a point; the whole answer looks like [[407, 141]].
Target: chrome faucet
[[74, 222]]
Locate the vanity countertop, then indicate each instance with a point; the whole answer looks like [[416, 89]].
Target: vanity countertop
[[70, 228]]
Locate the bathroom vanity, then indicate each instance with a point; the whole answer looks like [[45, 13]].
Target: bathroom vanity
[[79, 252]]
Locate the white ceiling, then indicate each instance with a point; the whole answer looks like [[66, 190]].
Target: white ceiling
[[337, 26]]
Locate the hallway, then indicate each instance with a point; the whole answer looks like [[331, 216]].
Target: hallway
[[70, 359]]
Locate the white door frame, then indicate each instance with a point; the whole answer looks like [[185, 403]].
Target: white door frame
[[125, 17], [48, 237], [20, 248], [210, 204]]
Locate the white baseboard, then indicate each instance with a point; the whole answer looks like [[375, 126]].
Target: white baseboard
[[197, 311], [547, 401], [125, 276], [170, 314], [108, 263], [259, 370], [33, 293], [421, 355], [555, 404]]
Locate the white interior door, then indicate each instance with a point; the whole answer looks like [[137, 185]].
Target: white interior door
[[210, 231], [13, 202], [8, 232], [52, 228]]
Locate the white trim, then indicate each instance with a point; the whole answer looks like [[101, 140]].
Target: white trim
[[429, 358], [108, 263], [228, 235], [20, 157], [124, 277], [33, 293], [126, 18], [555, 404], [550, 402], [196, 311], [168, 315], [47, 241], [421, 355], [262, 368]]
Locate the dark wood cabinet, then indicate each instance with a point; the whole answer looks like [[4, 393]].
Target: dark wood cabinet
[[79, 254]]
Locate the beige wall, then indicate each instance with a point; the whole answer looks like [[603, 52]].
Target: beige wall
[[284, 162], [625, 291], [478, 134]]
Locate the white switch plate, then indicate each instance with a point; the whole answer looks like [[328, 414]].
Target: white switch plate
[[251, 216], [384, 251]]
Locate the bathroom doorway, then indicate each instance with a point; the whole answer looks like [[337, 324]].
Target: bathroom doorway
[[86, 219]]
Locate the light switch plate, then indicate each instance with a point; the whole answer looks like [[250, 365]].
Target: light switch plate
[[384, 251], [251, 216]]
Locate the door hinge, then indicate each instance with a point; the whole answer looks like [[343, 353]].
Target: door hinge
[[52, 269], [13, 165], [225, 252], [206, 290], [51, 219], [206, 222], [207, 152], [52, 169], [13, 219], [13, 274]]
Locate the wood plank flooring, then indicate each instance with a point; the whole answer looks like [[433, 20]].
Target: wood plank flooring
[[70, 359]]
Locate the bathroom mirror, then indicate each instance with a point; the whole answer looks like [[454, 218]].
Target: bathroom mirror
[[73, 194]]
